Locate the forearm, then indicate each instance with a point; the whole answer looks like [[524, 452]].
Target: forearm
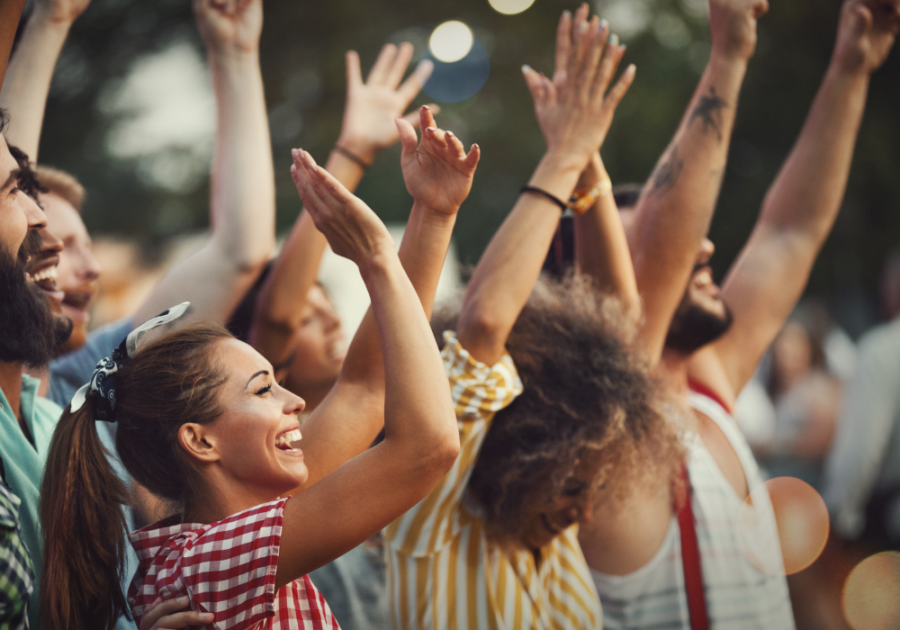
[[10, 12], [243, 179], [512, 262], [294, 273], [417, 406], [601, 249], [677, 204], [27, 82], [807, 194]]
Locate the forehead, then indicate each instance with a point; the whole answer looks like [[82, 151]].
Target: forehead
[[240, 359], [7, 162], [62, 218]]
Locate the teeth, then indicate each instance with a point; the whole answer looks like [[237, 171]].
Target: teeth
[[288, 438], [45, 274]]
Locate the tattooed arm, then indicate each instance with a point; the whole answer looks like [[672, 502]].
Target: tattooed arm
[[673, 214], [801, 206]]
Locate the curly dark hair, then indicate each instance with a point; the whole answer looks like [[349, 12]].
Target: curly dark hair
[[587, 398]]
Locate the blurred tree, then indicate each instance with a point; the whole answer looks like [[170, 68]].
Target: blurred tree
[[303, 65]]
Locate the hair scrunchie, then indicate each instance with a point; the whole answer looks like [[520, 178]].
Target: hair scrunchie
[[103, 380]]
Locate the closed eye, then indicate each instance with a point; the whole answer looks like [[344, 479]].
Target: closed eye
[[262, 391]]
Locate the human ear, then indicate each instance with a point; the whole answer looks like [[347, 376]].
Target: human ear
[[197, 442]]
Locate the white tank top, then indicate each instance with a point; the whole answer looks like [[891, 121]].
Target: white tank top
[[739, 596]]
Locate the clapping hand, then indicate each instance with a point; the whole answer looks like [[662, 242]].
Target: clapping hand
[[574, 110], [733, 26], [438, 171], [866, 33], [353, 230], [229, 25], [373, 105]]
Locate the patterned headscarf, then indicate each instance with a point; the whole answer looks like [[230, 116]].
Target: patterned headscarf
[[103, 381]]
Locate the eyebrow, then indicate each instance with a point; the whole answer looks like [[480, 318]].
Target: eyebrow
[[266, 372], [14, 175]]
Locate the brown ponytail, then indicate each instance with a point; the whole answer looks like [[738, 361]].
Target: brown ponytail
[[173, 381], [83, 528]]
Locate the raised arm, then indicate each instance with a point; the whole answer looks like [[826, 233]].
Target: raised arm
[[421, 439], [368, 128], [601, 248], [27, 83], [438, 175], [674, 212], [242, 205], [574, 112], [799, 211]]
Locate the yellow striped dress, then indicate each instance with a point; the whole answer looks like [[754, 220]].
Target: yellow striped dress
[[442, 570]]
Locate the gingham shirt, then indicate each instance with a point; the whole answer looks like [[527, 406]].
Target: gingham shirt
[[228, 569], [16, 570], [444, 573]]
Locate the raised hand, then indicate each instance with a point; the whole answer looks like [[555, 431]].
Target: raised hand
[[866, 33], [229, 25], [373, 105], [59, 11], [352, 229], [733, 26], [574, 110], [438, 171]]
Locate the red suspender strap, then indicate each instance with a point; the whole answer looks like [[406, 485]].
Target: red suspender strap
[[690, 558]]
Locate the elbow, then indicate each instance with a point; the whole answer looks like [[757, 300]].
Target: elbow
[[436, 460], [480, 327]]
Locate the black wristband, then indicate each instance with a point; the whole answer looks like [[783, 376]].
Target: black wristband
[[556, 200], [350, 155]]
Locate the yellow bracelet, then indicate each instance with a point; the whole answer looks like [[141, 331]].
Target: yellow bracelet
[[584, 199]]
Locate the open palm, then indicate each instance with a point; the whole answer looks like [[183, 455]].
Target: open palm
[[373, 105], [230, 24], [438, 172]]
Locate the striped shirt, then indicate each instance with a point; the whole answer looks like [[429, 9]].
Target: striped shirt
[[739, 596], [443, 572], [16, 570]]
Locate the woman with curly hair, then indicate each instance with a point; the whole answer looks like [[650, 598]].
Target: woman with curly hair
[[556, 414]]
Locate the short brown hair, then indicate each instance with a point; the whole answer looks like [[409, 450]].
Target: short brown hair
[[62, 184]]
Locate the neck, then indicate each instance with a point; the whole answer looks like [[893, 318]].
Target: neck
[[673, 369], [43, 375], [11, 384], [219, 498]]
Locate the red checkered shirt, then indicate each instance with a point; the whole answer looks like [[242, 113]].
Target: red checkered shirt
[[228, 569]]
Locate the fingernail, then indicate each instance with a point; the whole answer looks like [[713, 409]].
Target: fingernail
[[624, 47], [294, 152], [614, 39], [582, 27], [426, 108], [526, 68], [567, 14], [604, 24], [450, 133], [183, 600]]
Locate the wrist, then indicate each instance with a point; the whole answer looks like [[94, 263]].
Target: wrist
[[435, 217], [844, 68], [47, 21], [557, 174], [728, 59], [379, 264], [363, 149], [233, 58]]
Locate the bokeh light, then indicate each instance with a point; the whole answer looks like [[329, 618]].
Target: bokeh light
[[461, 80], [872, 593], [802, 522], [451, 41], [510, 7]]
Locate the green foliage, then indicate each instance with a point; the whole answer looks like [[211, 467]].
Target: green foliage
[[302, 58]]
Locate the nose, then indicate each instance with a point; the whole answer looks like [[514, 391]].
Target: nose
[[707, 249], [92, 268], [36, 218], [50, 244], [293, 405]]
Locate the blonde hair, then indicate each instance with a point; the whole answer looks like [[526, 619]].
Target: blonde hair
[[61, 184]]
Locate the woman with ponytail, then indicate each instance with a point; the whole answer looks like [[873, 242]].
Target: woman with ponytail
[[202, 424]]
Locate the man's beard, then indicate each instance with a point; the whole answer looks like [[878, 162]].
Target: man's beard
[[693, 327], [31, 334]]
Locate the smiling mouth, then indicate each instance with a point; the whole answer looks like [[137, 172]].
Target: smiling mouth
[[45, 279], [286, 441]]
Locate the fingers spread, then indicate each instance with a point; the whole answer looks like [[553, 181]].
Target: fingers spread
[[455, 148], [596, 37], [607, 70], [535, 84], [426, 117], [615, 95], [413, 84], [398, 67], [378, 73], [354, 74]]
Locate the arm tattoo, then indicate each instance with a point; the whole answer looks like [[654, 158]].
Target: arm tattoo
[[707, 111], [666, 175]]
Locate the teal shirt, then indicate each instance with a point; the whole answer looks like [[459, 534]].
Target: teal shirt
[[24, 465]]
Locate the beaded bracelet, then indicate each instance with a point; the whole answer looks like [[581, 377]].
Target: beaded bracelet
[[584, 199]]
